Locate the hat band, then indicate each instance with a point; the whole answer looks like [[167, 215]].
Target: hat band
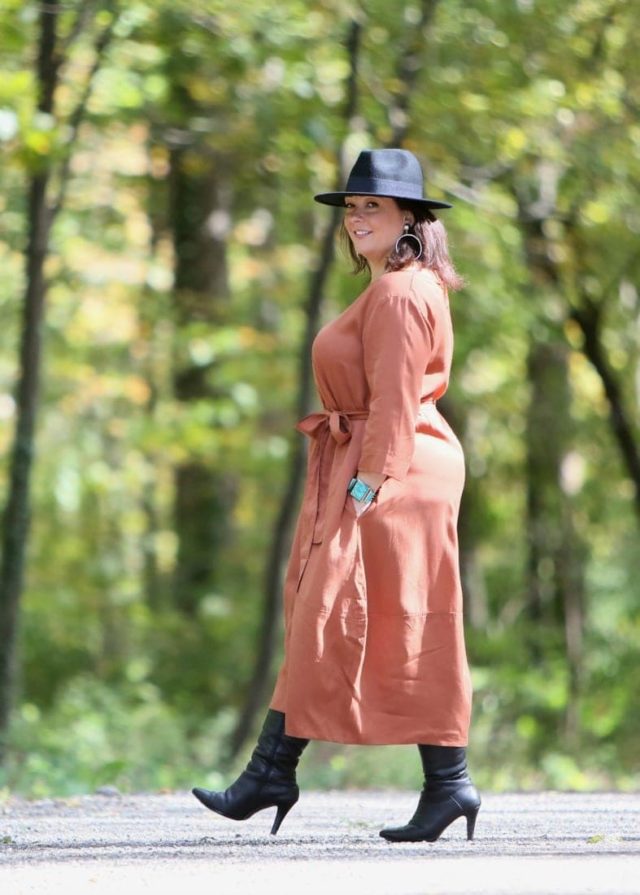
[[379, 187]]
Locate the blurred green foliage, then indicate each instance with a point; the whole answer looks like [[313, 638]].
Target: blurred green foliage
[[118, 687]]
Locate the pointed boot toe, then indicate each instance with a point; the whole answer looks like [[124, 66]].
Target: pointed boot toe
[[209, 799], [408, 833]]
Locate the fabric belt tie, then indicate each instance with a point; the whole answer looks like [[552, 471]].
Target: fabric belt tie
[[336, 423], [327, 429]]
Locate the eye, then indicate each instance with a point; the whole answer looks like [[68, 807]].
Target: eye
[[372, 204]]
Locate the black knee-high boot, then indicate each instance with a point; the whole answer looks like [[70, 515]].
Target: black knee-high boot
[[448, 794], [268, 781]]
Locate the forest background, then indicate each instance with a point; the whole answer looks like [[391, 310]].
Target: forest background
[[160, 249]]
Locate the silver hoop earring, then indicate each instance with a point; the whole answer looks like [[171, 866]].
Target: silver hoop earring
[[416, 242]]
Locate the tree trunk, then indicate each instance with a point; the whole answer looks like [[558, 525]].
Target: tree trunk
[[546, 439], [154, 331], [556, 554], [15, 523], [15, 526], [40, 216], [555, 578], [204, 497]]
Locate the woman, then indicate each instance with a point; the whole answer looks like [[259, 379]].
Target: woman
[[374, 643]]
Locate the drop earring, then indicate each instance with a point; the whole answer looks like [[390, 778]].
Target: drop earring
[[417, 242]]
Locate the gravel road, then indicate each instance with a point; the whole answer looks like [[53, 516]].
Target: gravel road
[[526, 844]]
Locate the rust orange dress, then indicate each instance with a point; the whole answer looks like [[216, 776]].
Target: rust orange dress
[[374, 641]]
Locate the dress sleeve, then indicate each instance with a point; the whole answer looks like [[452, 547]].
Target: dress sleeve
[[397, 341]]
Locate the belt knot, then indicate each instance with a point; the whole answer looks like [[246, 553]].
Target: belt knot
[[337, 421]]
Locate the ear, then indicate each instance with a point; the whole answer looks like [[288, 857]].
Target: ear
[[409, 219]]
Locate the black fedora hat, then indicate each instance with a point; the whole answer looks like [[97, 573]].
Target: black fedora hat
[[394, 173]]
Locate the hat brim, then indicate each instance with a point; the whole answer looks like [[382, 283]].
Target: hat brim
[[338, 199]]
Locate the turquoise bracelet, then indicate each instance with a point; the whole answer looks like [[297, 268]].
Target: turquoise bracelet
[[360, 491]]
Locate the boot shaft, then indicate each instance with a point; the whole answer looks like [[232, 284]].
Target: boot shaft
[[444, 767], [276, 754]]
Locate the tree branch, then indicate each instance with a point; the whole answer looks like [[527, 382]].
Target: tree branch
[[77, 116], [79, 25], [49, 59], [588, 317]]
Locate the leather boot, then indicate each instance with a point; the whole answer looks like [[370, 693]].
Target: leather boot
[[268, 781], [448, 794]]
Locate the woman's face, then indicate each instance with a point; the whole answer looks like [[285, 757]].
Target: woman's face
[[374, 223]]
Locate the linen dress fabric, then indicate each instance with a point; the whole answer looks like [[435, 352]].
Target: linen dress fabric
[[374, 641]]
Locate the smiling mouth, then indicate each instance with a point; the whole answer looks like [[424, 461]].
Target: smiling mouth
[[360, 233]]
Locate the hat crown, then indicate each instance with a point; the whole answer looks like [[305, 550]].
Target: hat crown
[[397, 165]]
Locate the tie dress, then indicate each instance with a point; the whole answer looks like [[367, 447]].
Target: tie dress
[[374, 641]]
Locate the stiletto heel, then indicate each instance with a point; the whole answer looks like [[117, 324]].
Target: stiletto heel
[[471, 822], [281, 813]]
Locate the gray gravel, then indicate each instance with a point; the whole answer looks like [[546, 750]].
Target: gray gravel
[[525, 843]]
